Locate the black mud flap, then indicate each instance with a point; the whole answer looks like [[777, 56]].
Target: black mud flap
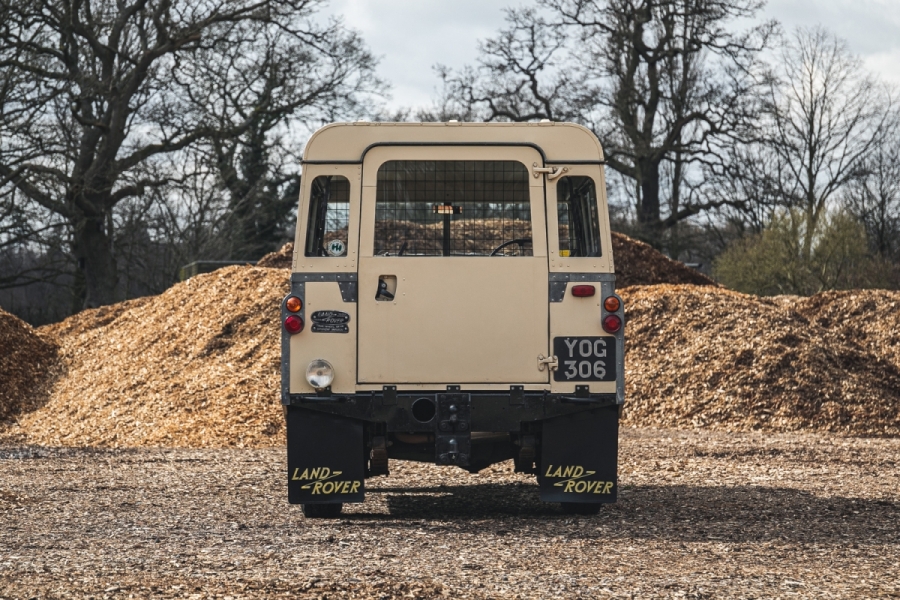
[[579, 457], [326, 463]]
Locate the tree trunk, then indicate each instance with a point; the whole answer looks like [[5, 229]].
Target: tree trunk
[[96, 261], [649, 213]]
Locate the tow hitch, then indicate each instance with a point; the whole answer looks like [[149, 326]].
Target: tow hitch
[[453, 439]]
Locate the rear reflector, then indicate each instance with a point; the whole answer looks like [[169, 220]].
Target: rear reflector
[[612, 323], [293, 324], [583, 291]]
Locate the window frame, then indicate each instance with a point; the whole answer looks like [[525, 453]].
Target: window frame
[[348, 262], [602, 263], [379, 155], [429, 184], [575, 218], [312, 228]]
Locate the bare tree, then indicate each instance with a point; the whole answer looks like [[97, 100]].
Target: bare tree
[[519, 76], [101, 96], [275, 86], [659, 81], [874, 198], [823, 116], [673, 84]]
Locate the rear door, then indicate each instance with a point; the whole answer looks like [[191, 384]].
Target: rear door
[[580, 255], [453, 267]]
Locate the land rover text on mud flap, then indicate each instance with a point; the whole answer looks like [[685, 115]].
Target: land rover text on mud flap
[[452, 301]]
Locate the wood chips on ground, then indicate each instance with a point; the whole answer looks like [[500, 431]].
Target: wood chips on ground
[[700, 514]]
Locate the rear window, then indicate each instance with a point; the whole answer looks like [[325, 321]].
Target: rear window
[[452, 208], [329, 216], [576, 212]]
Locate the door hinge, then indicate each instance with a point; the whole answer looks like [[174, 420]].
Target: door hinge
[[551, 172], [550, 361]]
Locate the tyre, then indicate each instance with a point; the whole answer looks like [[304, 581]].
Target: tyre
[[322, 511], [580, 508]]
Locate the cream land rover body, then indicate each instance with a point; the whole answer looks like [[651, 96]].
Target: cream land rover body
[[456, 304]]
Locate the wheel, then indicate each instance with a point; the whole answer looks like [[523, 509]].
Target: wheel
[[322, 511], [580, 508]]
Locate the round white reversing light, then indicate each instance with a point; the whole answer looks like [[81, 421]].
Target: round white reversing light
[[320, 374]]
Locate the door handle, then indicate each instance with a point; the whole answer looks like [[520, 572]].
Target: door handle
[[551, 362], [384, 292], [551, 172]]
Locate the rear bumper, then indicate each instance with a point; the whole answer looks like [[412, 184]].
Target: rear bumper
[[489, 411]]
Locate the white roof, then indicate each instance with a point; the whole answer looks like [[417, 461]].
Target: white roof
[[348, 142]]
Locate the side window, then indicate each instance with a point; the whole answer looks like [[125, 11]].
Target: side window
[[329, 216], [452, 208], [576, 212]]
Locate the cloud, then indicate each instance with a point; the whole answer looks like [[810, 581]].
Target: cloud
[[886, 65], [411, 36], [869, 26]]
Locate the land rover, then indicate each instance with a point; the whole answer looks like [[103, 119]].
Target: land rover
[[453, 301]]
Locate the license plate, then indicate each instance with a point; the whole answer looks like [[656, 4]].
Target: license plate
[[590, 358]]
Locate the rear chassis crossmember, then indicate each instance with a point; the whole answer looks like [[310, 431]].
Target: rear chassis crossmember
[[335, 441]]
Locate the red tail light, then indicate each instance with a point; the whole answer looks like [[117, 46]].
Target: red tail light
[[293, 324], [583, 291], [612, 323]]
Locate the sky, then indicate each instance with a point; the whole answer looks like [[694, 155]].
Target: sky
[[411, 36]]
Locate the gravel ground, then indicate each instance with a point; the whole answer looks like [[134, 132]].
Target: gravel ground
[[700, 515]]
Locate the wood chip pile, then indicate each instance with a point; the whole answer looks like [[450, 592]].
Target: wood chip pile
[[709, 357], [870, 318], [25, 361], [638, 263], [467, 236], [199, 365], [195, 366], [91, 319], [280, 259]]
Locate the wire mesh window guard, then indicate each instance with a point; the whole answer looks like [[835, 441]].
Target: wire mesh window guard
[[452, 208], [329, 216], [576, 212]]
